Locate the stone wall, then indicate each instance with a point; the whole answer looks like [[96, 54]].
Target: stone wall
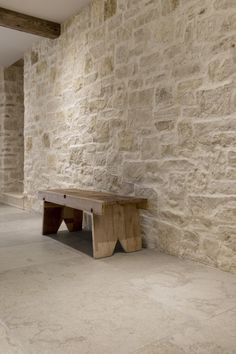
[[12, 128], [139, 97], [2, 106]]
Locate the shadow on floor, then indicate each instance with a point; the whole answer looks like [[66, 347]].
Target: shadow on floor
[[80, 241]]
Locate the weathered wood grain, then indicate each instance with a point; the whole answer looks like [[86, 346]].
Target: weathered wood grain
[[89, 201], [114, 218], [29, 24], [52, 218]]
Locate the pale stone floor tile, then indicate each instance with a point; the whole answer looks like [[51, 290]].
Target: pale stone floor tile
[[56, 299], [11, 234], [81, 298], [181, 285], [32, 253], [7, 211], [217, 336], [197, 293], [23, 235], [8, 345]]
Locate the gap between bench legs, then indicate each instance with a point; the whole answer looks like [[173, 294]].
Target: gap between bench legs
[[73, 219], [54, 214], [118, 223]]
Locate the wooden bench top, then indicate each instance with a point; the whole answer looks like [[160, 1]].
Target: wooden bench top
[[89, 201]]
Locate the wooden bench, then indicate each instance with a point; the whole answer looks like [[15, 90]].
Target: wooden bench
[[114, 218]]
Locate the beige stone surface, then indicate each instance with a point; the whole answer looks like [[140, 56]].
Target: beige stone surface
[[11, 129], [141, 95], [55, 298]]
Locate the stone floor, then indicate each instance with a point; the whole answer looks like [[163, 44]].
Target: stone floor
[[55, 299]]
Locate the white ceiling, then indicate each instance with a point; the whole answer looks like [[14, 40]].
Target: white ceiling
[[13, 44]]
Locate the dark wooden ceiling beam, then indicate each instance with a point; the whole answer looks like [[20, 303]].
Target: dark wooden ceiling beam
[[29, 24]]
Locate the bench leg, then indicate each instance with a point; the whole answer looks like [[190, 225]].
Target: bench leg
[[119, 222], [52, 218], [104, 238], [73, 219], [130, 236]]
